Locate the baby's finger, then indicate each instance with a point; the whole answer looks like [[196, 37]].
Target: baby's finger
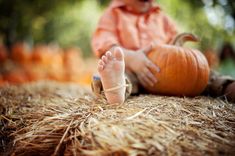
[[146, 80], [142, 81], [152, 66], [150, 76]]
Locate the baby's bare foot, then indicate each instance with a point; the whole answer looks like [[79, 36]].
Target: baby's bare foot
[[111, 68]]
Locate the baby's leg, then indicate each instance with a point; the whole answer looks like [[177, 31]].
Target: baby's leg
[[230, 91], [221, 85], [111, 68], [135, 86]]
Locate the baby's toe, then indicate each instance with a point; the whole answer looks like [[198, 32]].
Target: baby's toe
[[109, 55], [104, 59], [101, 65], [118, 54], [100, 68]]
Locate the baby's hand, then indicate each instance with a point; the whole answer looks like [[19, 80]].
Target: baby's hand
[[141, 65]]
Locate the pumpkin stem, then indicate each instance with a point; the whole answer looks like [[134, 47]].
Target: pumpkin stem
[[184, 37]]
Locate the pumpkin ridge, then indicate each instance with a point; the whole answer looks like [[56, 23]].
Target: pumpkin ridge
[[177, 76], [167, 68], [205, 66], [179, 70], [163, 67], [156, 58], [183, 52], [197, 70], [201, 75]]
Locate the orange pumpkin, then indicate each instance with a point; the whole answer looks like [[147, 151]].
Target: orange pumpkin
[[3, 53], [50, 59], [2, 82], [20, 53], [36, 73], [41, 55], [17, 76], [72, 64], [184, 71], [47, 56], [56, 56], [72, 56], [85, 78]]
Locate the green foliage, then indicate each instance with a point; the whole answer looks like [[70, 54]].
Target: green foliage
[[65, 22], [72, 25], [72, 22], [17, 16], [190, 16]]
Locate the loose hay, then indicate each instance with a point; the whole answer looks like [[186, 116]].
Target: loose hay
[[64, 119]]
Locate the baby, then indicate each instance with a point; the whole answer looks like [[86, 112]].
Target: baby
[[127, 32]]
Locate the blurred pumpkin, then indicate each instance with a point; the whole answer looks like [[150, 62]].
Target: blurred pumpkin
[[72, 63], [41, 55], [212, 58], [50, 58], [55, 75], [56, 66], [16, 76], [56, 56], [85, 78], [72, 56], [36, 73], [3, 53], [20, 53], [2, 82], [184, 71]]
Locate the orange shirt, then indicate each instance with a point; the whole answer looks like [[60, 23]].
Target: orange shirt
[[119, 26]]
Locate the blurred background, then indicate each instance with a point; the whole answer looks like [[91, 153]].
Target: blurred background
[[52, 35]]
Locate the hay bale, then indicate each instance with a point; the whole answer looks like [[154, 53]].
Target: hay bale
[[48, 118]]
